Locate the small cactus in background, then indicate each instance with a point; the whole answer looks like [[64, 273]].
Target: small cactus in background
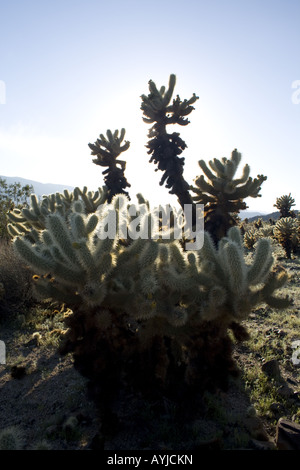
[[286, 231], [107, 151], [250, 238], [222, 195], [258, 223], [284, 205]]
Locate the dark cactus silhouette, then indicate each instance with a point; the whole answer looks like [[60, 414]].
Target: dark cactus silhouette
[[107, 151], [165, 147], [223, 195], [284, 205]]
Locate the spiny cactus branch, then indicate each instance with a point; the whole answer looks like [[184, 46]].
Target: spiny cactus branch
[[222, 194], [163, 147], [284, 205], [107, 151]]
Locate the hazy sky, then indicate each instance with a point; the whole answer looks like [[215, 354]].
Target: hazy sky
[[70, 70]]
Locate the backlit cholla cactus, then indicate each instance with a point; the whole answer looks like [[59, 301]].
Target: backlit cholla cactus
[[286, 231], [30, 221], [128, 299], [284, 205], [223, 195], [165, 147], [107, 151], [148, 315]]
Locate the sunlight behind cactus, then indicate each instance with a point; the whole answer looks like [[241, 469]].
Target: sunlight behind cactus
[[149, 315], [153, 284]]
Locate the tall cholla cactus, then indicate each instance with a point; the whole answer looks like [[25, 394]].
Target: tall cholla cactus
[[222, 195], [107, 151], [286, 231], [165, 148], [284, 205], [140, 309]]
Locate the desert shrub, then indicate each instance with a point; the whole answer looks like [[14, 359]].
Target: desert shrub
[[15, 282], [11, 439], [11, 196]]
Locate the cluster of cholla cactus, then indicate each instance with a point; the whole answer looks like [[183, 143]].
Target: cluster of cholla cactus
[[252, 233], [287, 233], [147, 312], [30, 221], [284, 204]]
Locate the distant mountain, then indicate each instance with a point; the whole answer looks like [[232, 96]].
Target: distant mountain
[[249, 215], [266, 217], [51, 188], [39, 188]]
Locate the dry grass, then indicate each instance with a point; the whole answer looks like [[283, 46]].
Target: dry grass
[[15, 282]]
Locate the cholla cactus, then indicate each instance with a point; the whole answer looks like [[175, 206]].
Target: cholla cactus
[[30, 221], [107, 151], [222, 195], [250, 238], [258, 223], [165, 148], [284, 205], [127, 299], [146, 313], [286, 231]]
